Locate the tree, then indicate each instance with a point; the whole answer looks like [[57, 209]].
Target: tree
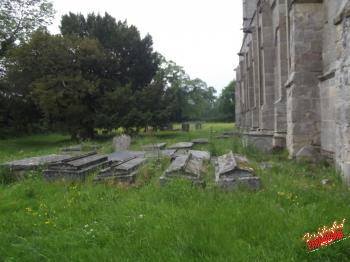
[[19, 18], [59, 75], [187, 99], [99, 73], [130, 66], [226, 102], [131, 59]]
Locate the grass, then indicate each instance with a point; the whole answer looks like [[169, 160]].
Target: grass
[[42, 221]]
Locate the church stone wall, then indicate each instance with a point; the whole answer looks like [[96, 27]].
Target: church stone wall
[[293, 80]]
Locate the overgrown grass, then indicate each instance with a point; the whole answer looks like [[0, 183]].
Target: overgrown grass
[[42, 221]]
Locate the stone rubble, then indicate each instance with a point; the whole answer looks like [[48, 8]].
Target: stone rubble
[[184, 166], [229, 175]]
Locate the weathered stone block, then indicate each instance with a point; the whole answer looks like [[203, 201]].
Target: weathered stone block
[[181, 145], [156, 146], [75, 168], [121, 143], [185, 127]]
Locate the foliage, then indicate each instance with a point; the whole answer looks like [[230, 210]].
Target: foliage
[[57, 73], [174, 223], [96, 79], [19, 18], [225, 104], [187, 99]]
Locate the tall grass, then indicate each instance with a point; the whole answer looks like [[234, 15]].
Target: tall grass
[[42, 221]]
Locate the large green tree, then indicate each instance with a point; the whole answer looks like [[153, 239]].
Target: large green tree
[[186, 98], [95, 78], [130, 66], [59, 75], [19, 18]]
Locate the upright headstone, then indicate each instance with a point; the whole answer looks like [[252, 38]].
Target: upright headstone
[[121, 143], [198, 126], [185, 127]]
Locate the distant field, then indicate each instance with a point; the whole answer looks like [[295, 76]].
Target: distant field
[[42, 221]]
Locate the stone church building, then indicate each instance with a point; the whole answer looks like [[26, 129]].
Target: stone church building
[[293, 78]]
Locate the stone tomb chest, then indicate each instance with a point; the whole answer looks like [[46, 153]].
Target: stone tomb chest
[[75, 168]]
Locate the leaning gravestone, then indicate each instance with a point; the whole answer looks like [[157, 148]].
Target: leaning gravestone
[[185, 127], [121, 143]]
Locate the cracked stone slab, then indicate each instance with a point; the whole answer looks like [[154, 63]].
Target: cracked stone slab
[[185, 166], [35, 162], [160, 153], [204, 155], [200, 154], [125, 155], [157, 146], [181, 145], [229, 173]]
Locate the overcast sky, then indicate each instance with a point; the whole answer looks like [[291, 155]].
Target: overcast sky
[[203, 36]]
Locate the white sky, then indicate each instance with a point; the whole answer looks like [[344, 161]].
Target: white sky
[[203, 36]]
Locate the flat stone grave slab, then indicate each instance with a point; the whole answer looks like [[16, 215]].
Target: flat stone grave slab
[[200, 141], [75, 168], [204, 155], [158, 146], [160, 153], [77, 149], [200, 154], [181, 145], [34, 162], [125, 155], [124, 171]]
